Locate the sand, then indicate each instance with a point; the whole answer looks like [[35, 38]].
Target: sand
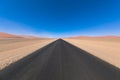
[[106, 49], [11, 50]]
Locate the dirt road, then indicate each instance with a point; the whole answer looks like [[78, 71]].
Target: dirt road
[[60, 61]]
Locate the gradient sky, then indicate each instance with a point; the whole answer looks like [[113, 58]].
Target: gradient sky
[[60, 18]]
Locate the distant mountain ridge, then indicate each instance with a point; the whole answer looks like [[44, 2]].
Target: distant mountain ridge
[[95, 37], [7, 35]]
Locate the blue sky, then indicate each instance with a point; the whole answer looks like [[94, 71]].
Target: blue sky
[[60, 18]]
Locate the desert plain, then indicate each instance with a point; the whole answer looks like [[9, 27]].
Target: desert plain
[[106, 48], [13, 49], [33, 58]]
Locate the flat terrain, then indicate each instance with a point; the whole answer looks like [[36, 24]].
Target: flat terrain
[[60, 61], [12, 50], [107, 49]]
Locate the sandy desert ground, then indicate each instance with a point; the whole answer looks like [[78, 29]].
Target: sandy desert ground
[[107, 49], [12, 50], [60, 61]]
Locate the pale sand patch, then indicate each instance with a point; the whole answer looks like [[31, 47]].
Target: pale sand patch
[[106, 50], [9, 56]]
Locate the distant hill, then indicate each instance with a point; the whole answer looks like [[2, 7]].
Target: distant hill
[[7, 35], [86, 37]]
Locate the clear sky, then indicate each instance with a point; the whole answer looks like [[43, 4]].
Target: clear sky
[[60, 18]]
